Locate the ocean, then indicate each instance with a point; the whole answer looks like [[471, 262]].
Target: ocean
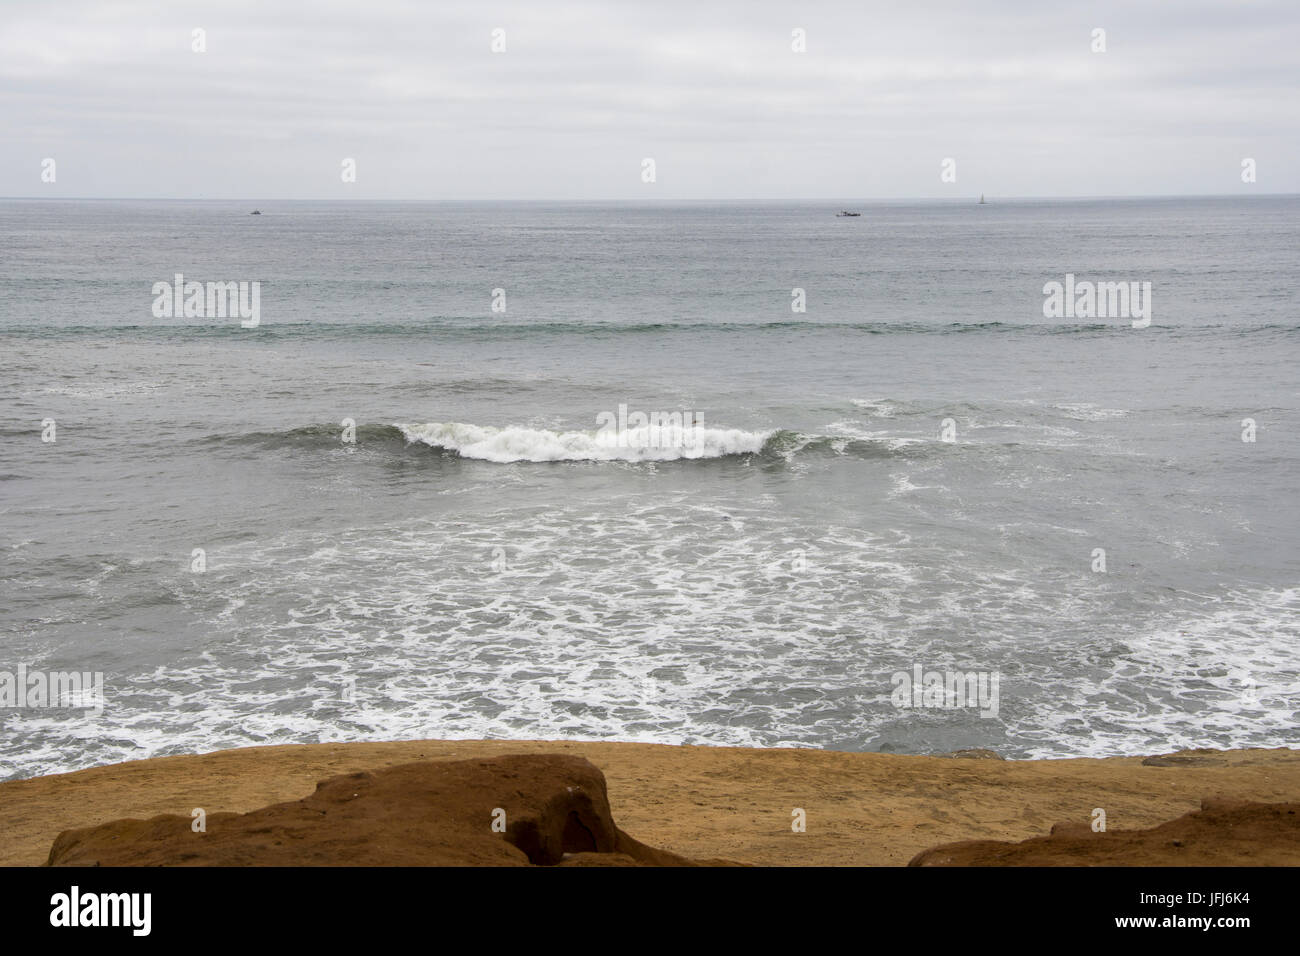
[[389, 511]]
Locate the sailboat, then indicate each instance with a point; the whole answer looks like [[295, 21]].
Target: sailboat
[[982, 202]]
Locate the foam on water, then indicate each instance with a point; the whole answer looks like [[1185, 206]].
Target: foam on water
[[632, 444], [673, 623], [762, 593]]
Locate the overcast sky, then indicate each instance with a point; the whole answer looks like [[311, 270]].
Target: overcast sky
[[1009, 89]]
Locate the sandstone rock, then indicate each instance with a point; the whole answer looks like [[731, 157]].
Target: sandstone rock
[[1222, 833], [975, 753], [431, 813], [1188, 758]]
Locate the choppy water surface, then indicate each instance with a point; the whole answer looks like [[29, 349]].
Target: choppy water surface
[[479, 562]]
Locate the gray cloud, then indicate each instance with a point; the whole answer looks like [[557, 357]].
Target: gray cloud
[[584, 91]]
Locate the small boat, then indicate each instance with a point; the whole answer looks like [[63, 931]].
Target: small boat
[[256, 212], [982, 202], [845, 212]]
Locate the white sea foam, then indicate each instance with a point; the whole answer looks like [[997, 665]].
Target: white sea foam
[[1227, 675], [537, 444], [880, 407], [667, 622], [1089, 411], [853, 431], [105, 390], [902, 484]]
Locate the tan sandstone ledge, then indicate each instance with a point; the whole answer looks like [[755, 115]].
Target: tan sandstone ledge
[[703, 802]]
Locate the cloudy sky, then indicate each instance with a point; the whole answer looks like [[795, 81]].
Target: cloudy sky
[[113, 91]]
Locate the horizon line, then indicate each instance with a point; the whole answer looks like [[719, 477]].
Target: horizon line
[[785, 199]]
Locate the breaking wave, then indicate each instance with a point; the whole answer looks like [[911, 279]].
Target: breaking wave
[[538, 444], [510, 444]]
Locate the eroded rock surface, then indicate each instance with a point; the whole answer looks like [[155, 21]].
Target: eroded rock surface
[[1221, 833], [554, 809]]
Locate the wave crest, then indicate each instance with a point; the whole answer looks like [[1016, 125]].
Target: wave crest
[[537, 444]]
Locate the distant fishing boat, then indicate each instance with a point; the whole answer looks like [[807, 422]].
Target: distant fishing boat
[[845, 212], [256, 212]]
